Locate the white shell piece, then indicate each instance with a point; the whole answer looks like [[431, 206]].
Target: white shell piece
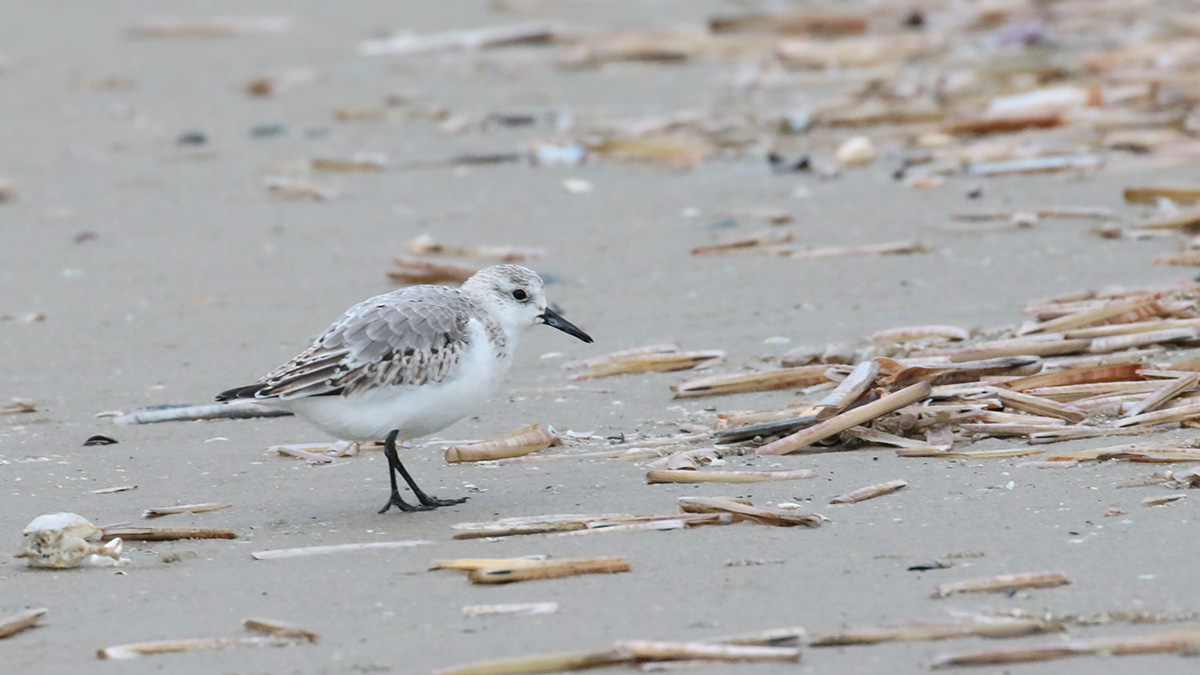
[[66, 540]]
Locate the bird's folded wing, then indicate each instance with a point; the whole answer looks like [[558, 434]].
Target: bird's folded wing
[[400, 338]]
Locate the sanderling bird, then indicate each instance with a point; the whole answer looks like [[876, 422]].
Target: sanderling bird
[[410, 362]]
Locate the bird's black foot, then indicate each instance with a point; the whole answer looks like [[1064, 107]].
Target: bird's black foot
[[399, 503], [434, 502]]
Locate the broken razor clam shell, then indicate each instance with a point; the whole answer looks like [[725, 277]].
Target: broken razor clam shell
[[65, 540]]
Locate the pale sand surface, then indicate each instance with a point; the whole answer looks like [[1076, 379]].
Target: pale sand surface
[[198, 281]]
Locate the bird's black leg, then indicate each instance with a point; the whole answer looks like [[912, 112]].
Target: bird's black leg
[[427, 503]]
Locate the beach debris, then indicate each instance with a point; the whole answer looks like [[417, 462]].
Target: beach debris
[[66, 540], [420, 271], [899, 375], [1182, 641], [114, 489], [745, 510], [1052, 164], [855, 151], [300, 453], [306, 551], [508, 570], [772, 637], [687, 459], [299, 189], [914, 333], [408, 44], [649, 359], [281, 629], [426, 245], [1188, 478], [21, 621], [671, 151], [855, 51], [99, 439], [1018, 382], [137, 533], [1002, 583], [651, 524], [523, 441], [541, 663], [886, 248], [18, 406], [577, 186], [1178, 413], [765, 646], [137, 649], [27, 317], [767, 380], [183, 508], [644, 650], [578, 523], [1162, 500], [188, 413], [870, 492], [535, 524], [1151, 195], [172, 27], [969, 625], [762, 239], [278, 83], [1159, 397], [848, 390], [1103, 618], [851, 418], [803, 22], [629, 454], [360, 162], [693, 476], [1002, 124], [513, 609]]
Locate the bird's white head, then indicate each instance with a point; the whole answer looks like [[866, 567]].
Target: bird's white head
[[514, 295]]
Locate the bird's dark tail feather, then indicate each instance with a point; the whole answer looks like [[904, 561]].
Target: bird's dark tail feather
[[239, 393]]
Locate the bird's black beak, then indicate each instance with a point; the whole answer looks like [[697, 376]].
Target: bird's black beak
[[552, 319]]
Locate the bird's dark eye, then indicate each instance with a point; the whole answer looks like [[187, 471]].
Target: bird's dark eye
[[520, 294]]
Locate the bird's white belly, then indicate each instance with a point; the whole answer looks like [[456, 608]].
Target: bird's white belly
[[370, 414]]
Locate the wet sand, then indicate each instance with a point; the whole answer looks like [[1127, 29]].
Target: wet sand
[[197, 280]]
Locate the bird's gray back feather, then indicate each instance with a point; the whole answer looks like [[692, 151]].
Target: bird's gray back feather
[[412, 336]]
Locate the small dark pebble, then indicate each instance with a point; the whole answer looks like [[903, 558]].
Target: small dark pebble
[[85, 236], [506, 119], [781, 164], [267, 130], [192, 138], [100, 440], [926, 566], [975, 193]]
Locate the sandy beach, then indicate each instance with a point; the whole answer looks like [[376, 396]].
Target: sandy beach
[[144, 260]]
